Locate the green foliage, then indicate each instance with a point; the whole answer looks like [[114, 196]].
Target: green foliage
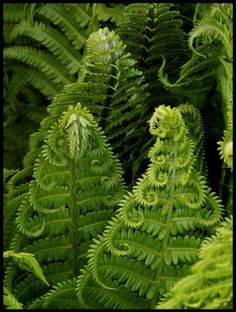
[[10, 301], [209, 286], [43, 49], [27, 262], [95, 95], [75, 187], [156, 233]]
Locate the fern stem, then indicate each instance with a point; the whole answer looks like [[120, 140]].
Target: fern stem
[[108, 99], [72, 214], [168, 225]]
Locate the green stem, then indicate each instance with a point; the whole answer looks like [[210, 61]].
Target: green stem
[[168, 205], [73, 215]]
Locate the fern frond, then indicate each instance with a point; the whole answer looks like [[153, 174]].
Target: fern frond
[[111, 89], [70, 197], [29, 75], [212, 29], [40, 60], [67, 17], [54, 273], [26, 261], [10, 301], [149, 257], [61, 296], [103, 297], [104, 13], [209, 285], [52, 40]]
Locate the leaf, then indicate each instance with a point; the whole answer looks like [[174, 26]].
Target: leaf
[[28, 262], [10, 301]]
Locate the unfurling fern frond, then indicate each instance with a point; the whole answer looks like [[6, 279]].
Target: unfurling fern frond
[[209, 284], [113, 90], [155, 235], [73, 192]]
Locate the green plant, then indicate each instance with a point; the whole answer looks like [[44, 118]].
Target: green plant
[[209, 285], [27, 262], [44, 44], [115, 212], [75, 187], [155, 236]]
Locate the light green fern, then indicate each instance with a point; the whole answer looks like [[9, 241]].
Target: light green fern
[[154, 237], [209, 285]]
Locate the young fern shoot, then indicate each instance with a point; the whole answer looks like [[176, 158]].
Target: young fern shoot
[[156, 233], [74, 191]]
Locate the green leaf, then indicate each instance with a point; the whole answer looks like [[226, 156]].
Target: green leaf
[[28, 262], [10, 301]]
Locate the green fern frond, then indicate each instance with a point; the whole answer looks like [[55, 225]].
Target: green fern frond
[[71, 195], [27, 75], [26, 261], [62, 296], [52, 40], [212, 29], [209, 285], [54, 273], [225, 86], [100, 297], [112, 89], [71, 20], [150, 257], [104, 12], [40, 60], [10, 301], [150, 31]]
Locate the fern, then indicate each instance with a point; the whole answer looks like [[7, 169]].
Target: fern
[[155, 235], [209, 285], [47, 46], [10, 301], [112, 89], [27, 262], [80, 187], [88, 77], [151, 30]]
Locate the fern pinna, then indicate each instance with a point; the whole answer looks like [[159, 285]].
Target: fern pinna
[[209, 285], [157, 231], [75, 188]]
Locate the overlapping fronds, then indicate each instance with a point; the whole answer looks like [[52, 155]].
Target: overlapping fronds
[[155, 236], [113, 90], [209, 284], [150, 31], [75, 186], [43, 47], [89, 77], [62, 295]]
